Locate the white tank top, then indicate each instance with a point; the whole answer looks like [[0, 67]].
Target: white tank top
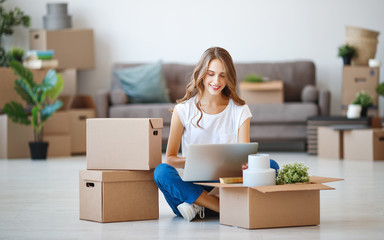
[[216, 128]]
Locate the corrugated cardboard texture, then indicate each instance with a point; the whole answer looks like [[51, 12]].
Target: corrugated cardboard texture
[[14, 139], [364, 144], [357, 79], [116, 176], [267, 92], [123, 143], [77, 121], [59, 145], [74, 48], [58, 123], [330, 143], [70, 81], [118, 196], [126, 201]]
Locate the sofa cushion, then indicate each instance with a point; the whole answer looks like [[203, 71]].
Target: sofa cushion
[[144, 84], [153, 110], [309, 94], [282, 113], [118, 97]]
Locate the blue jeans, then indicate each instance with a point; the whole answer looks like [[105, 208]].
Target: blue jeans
[[176, 191]]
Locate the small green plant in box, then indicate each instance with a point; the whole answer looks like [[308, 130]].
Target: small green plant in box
[[363, 99], [293, 173], [347, 52], [252, 78]]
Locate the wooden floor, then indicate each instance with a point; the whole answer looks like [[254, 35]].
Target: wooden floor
[[39, 200]]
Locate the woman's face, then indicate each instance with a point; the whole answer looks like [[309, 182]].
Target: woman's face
[[215, 79]]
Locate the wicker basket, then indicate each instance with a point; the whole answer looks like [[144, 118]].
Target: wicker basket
[[365, 41]]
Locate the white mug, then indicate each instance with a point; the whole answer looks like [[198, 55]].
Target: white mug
[[354, 111]]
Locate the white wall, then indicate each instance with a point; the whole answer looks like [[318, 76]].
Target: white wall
[[179, 31]]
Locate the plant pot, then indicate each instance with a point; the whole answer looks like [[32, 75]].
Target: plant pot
[[347, 60], [38, 150], [354, 111], [364, 111]]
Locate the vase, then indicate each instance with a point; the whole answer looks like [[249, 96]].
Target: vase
[[38, 150]]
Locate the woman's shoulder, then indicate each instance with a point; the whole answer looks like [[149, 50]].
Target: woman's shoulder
[[186, 105], [236, 106]]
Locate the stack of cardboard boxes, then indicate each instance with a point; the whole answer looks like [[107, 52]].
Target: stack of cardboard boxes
[[118, 184], [65, 131]]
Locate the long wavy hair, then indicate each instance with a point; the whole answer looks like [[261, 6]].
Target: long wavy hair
[[196, 85]]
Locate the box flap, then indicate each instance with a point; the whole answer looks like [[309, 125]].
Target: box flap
[[292, 187], [116, 176], [317, 179], [82, 101], [156, 122]]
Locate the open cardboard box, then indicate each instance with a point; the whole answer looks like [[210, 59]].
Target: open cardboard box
[[271, 206], [113, 196], [264, 92]]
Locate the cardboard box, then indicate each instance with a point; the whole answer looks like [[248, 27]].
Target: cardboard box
[[330, 143], [14, 139], [7, 84], [112, 196], [124, 143], [8, 78], [59, 145], [74, 48], [81, 108], [70, 81], [265, 92], [58, 123], [357, 79], [271, 206], [364, 144]]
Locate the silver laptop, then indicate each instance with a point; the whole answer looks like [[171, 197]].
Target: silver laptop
[[209, 162]]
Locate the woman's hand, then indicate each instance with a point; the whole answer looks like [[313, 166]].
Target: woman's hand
[[244, 166]]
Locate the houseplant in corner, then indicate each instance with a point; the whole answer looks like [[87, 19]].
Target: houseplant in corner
[[347, 52], [41, 101]]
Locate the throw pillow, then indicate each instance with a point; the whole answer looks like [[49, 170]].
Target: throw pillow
[[144, 83], [309, 94]]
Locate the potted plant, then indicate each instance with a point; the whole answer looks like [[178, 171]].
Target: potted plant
[[347, 52], [365, 100], [9, 19], [252, 78], [41, 101]]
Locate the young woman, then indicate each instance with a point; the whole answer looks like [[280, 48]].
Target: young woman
[[210, 112]]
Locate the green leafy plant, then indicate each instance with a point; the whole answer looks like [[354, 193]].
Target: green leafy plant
[[380, 89], [41, 99], [8, 20], [253, 78], [293, 173], [347, 50], [363, 99]]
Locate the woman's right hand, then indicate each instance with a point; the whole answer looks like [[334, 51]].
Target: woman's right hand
[[244, 166]]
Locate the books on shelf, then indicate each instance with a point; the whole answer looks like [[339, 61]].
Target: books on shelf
[[39, 63]]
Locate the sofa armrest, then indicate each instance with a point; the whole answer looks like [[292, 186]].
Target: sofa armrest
[[324, 101], [102, 103]]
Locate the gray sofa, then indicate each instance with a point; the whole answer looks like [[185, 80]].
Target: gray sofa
[[270, 122]]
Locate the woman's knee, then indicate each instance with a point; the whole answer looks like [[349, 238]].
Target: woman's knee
[[273, 164], [161, 171]]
